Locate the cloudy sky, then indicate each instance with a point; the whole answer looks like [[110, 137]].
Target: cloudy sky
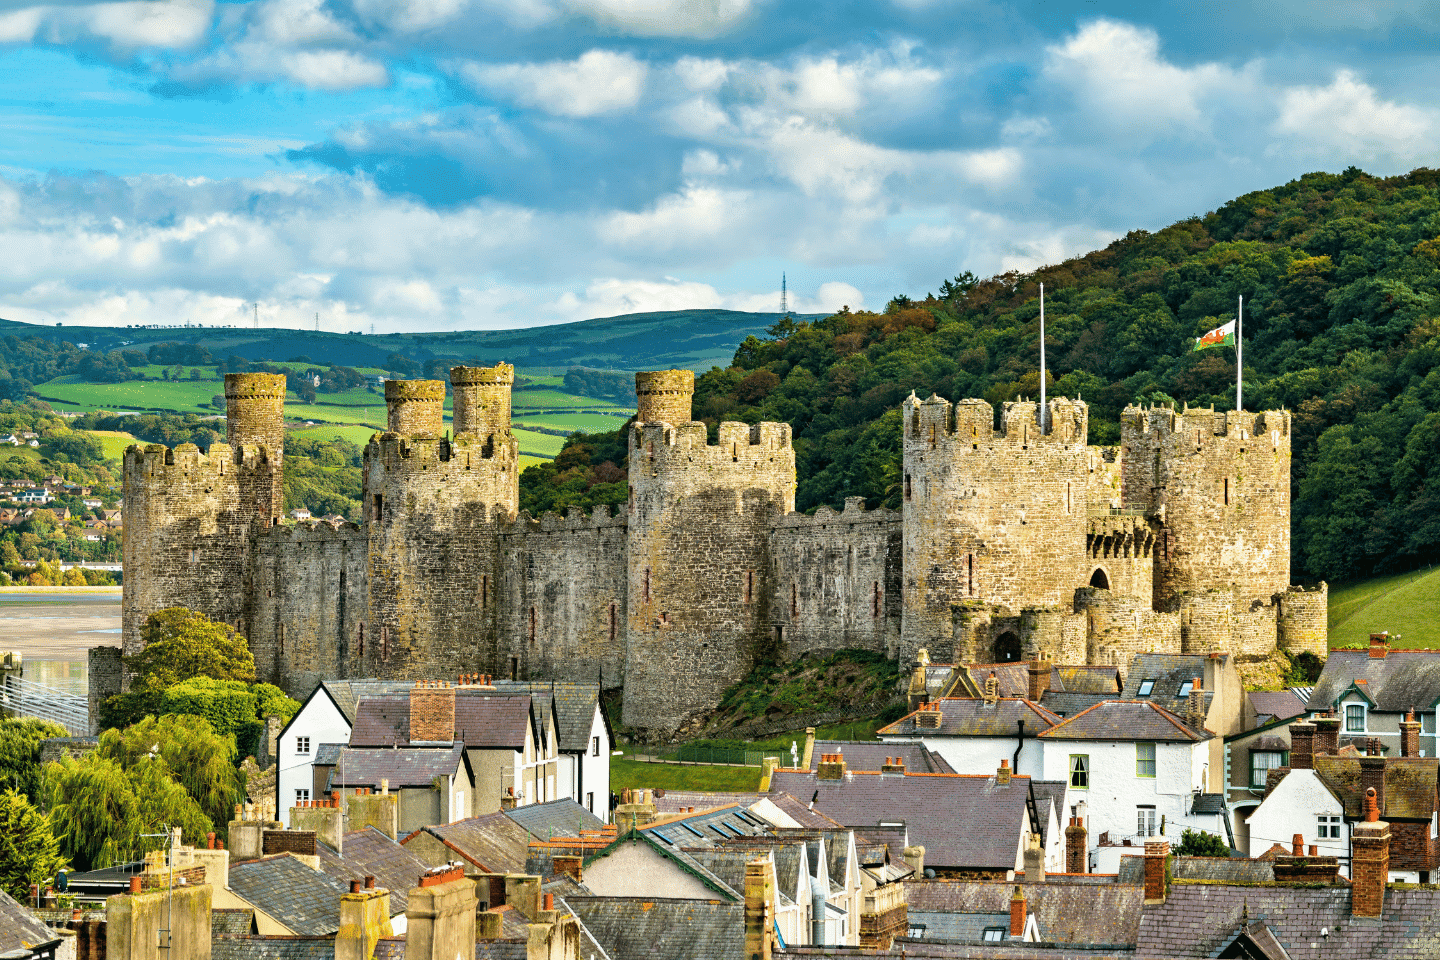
[[441, 164]]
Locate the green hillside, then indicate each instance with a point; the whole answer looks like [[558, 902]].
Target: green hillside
[[1407, 604]]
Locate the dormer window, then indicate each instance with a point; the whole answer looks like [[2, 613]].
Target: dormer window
[[1145, 687], [1354, 718], [1185, 689]]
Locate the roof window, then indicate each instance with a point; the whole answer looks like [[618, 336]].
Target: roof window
[[1185, 688], [1145, 687]]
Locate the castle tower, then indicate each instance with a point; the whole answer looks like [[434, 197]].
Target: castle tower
[[698, 551], [430, 510], [191, 518], [1219, 484], [482, 399], [992, 517], [415, 407]]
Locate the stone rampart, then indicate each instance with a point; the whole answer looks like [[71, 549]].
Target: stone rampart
[[415, 407], [1304, 619]]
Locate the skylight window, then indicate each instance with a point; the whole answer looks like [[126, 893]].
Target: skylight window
[[1185, 688], [1145, 687]]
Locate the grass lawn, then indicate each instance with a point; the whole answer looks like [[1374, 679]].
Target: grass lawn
[[542, 444], [182, 396], [554, 399], [113, 441], [358, 435], [625, 772], [854, 730], [588, 422], [1404, 603]]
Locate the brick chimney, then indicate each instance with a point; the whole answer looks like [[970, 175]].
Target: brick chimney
[[1076, 847], [1372, 774], [1302, 746], [1379, 645], [809, 755], [432, 712], [893, 765], [1157, 852], [759, 915], [1002, 776], [1195, 708], [440, 916], [364, 919], [570, 866], [1410, 735], [1370, 861], [1327, 736], [1017, 913], [929, 716], [991, 692], [1034, 860], [831, 767], [1039, 677]]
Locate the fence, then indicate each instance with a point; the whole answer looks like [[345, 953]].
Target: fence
[[24, 698]]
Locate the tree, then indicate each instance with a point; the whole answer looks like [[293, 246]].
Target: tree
[[194, 755], [1198, 843], [29, 850], [181, 643], [20, 752]]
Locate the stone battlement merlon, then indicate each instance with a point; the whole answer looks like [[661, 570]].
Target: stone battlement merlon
[[853, 513], [221, 459], [575, 520], [396, 451], [500, 375], [255, 410], [972, 421], [1159, 424], [312, 531], [735, 443]]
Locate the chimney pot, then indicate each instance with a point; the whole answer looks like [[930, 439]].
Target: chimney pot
[[354, 886], [134, 884], [549, 901], [210, 841], [1314, 850], [1297, 845], [369, 882]]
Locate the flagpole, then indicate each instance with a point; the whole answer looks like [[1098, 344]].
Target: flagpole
[[1239, 350], [1044, 418]]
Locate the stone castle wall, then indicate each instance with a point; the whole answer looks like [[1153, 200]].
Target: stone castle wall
[[1304, 619]]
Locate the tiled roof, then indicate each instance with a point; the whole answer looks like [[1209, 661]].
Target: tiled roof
[[369, 852], [1125, 720], [654, 929], [402, 767], [272, 948], [1013, 678], [381, 722], [966, 717], [872, 754], [490, 721], [347, 693], [674, 801], [1050, 792], [1275, 704], [1068, 704], [237, 922], [494, 842], [1409, 785], [555, 818], [1208, 803], [1169, 671], [1067, 914], [1089, 678], [575, 705], [955, 927], [930, 806], [327, 754], [1206, 869], [18, 927], [1201, 919], [306, 901], [1396, 682], [800, 811], [706, 827]]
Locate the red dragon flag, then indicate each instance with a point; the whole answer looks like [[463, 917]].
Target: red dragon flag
[[1221, 336]]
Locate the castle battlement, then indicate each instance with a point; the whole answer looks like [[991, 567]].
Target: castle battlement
[[1162, 424], [854, 513], [187, 460], [973, 421], [575, 519], [408, 452], [311, 531], [736, 442]]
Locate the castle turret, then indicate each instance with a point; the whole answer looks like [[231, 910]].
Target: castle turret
[[416, 407], [482, 399], [255, 417], [699, 599]]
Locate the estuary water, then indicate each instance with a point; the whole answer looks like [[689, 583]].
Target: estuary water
[[54, 627]]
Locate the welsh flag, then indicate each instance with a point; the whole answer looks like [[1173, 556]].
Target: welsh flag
[[1219, 337]]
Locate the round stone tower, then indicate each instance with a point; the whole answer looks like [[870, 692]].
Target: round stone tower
[[416, 406], [482, 399], [663, 396], [255, 411]]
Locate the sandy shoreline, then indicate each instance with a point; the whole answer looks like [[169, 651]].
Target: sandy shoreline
[[57, 623]]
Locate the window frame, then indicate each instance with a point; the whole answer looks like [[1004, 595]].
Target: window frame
[[1141, 761], [1284, 760], [595, 746], [302, 795], [1080, 771], [1147, 687], [1327, 826], [994, 935], [302, 746], [1146, 826], [1185, 689], [1363, 717]]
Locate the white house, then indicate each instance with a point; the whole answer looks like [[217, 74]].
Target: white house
[[1302, 804], [326, 717], [1140, 772], [975, 734]]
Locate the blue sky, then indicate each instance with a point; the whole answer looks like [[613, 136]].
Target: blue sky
[[461, 164]]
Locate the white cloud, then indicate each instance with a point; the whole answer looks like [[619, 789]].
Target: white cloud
[[1349, 116], [175, 24], [664, 18], [333, 69], [599, 81]]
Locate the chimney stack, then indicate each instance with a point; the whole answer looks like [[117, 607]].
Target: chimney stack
[[929, 717], [915, 856], [992, 689], [440, 916], [1410, 735], [893, 765], [1379, 645], [1157, 853], [432, 710], [1370, 861], [1034, 860], [1002, 776], [1017, 913], [809, 756], [570, 866], [832, 767], [1372, 774], [1195, 708], [364, 919], [1076, 848], [759, 918], [1327, 736], [1302, 746], [1039, 677]]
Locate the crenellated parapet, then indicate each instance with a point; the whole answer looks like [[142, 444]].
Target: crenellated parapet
[[824, 517], [575, 519], [663, 396], [973, 422], [687, 443]]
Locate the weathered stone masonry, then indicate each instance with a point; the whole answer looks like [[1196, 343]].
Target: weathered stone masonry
[[1015, 539]]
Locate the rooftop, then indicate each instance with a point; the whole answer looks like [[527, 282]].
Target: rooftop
[[306, 901], [1125, 720], [973, 717]]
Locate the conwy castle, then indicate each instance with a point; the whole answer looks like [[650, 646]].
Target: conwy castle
[[1015, 540]]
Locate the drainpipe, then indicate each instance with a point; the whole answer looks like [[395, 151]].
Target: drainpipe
[[1015, 764]]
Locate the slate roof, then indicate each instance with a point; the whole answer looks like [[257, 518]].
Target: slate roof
[[575, 705], [930, 805], [1169, 671], [557, 818], [272, 948], [381, 722], [801, 812], [347, 693], [674, 801], [871, 755], [1206, 869], [494, 842], [237, 922], [1050, 792], [1275, 705], [1068, 704], [1201, 919], [403, 767], [1409, 785], [1208, 803], [490, 722], [1400, 680], [1067, 914], [369, 852], [306, 901], [328, 754], [957, 927], [19, 928], [1125, 720], [706, 827], [662, 929], [969, 717]]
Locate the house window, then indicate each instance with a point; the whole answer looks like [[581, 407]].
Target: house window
[[1080, 771], [1145, 822], [594, 746], [302, 746], [1262, 762], [1145, 760], [994, 934], [1185, 689], [1328, 828], [1427, 723], [1354, 718], [590, 801], [302, 795], [1145, 687]]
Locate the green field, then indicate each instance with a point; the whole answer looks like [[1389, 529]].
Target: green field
[[556, 400], [1407, 604], [539, 444], [571, 422], [181, 396], [113, 441], [357, 435]]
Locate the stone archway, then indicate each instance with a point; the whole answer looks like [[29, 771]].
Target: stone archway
[[1007, 647], [1100, 579]]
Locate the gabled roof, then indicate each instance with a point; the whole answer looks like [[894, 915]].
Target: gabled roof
[[1396, 682], [230, 947], [1068, 704], [494, 842], [930, 806], [1050, 794], [659, 929], [575, 705], [706, 827], [968, 717], [19, 927], [676, 801], [1275, 705], [1125, 720], [381, 722], [681, 858], [872, 754], [1204, 869], [401, 766], [347, 693], [1410, 792], [484, 720], [369, 852], [306, 901], [1169, 671], [1069, 914], [555, 818]]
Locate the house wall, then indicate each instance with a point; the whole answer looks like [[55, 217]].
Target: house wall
[[595, 771], [1115, 791], [982, 755], [494, 770], [635, 870], [322, 722], [419, 807], [1294, 806]]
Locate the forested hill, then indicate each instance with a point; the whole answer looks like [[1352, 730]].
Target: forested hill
[[1340, 276]]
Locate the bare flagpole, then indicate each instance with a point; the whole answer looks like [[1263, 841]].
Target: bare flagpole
[[1239, 350], [1044, 412]]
